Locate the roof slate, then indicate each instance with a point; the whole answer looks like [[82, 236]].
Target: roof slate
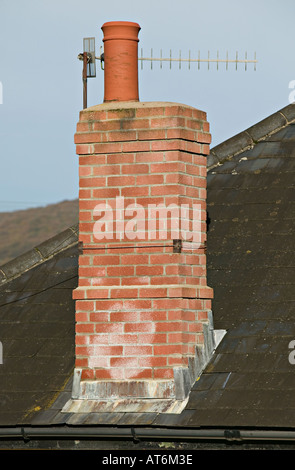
[[36, 332], [249, 382]]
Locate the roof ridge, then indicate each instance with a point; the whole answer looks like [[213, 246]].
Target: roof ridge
[[39, 254], [248, 138]]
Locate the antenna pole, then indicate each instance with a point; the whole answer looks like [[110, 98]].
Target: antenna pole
[[84, 78]]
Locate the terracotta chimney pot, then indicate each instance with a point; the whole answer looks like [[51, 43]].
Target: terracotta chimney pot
[[121, 61]]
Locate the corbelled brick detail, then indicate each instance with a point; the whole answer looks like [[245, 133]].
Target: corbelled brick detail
[[141, 303]]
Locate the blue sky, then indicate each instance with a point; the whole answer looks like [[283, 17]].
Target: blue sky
[[40, 76]]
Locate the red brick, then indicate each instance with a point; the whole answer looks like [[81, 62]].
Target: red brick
[[166, 145], [162, 327], [84, 194], [139, 327], [137, 373], [111, 350], [92, 159], [121, 113], [81, 362], [99, 316], [163, 373], [123, 338], [106, 260], [84, 350], [193, 124], [82, 339], [152, 292], [135, 124], [159, 361], [147, 112], [138, 350], [123, 317], [153, 315], [89, 271], [85, 170], [173, 110], [164, 280], [134, 259], [203, 137], [106, 170], [82, 316], [105, 125], [167, 349], [99, 362], [87, 374], [84, 328], [102, 374], [121, 180], [137, 304], [150, 134], [84, 305], [105, 193], [175, 338], [168, 303], [135, 169], [152, 338], [120, 136], [167, 190], [114, 374], [93, 182], [120, 271], [150, 180], [172, 178], [139, 146], [99, 339], [86, 216], [195, 327], [109, 328], [164, 259], [123, 361], [83, 126], [124, 293], [108, 147], [93, 115], [145, 157], [90, 137], [84, 149], [149, 270], [167, 121], [120, 158], [177, 361], [135, 191]]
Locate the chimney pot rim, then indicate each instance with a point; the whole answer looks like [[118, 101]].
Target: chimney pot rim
[[120, 30], [120, 23]]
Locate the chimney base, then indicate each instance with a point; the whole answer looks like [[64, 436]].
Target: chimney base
[[144, 396]]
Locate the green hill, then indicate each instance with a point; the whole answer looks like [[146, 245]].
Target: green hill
[[21, 230]]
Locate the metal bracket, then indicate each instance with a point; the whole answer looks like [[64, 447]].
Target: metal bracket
[[80, 248], [101, 58], [177, 246]]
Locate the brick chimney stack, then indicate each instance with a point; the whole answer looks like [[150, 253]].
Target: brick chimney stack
[[143, 308]]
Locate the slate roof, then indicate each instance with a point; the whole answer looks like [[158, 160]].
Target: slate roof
[[249, 383], [37, 327]]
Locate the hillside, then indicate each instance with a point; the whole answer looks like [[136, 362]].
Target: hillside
[[22, 230]]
